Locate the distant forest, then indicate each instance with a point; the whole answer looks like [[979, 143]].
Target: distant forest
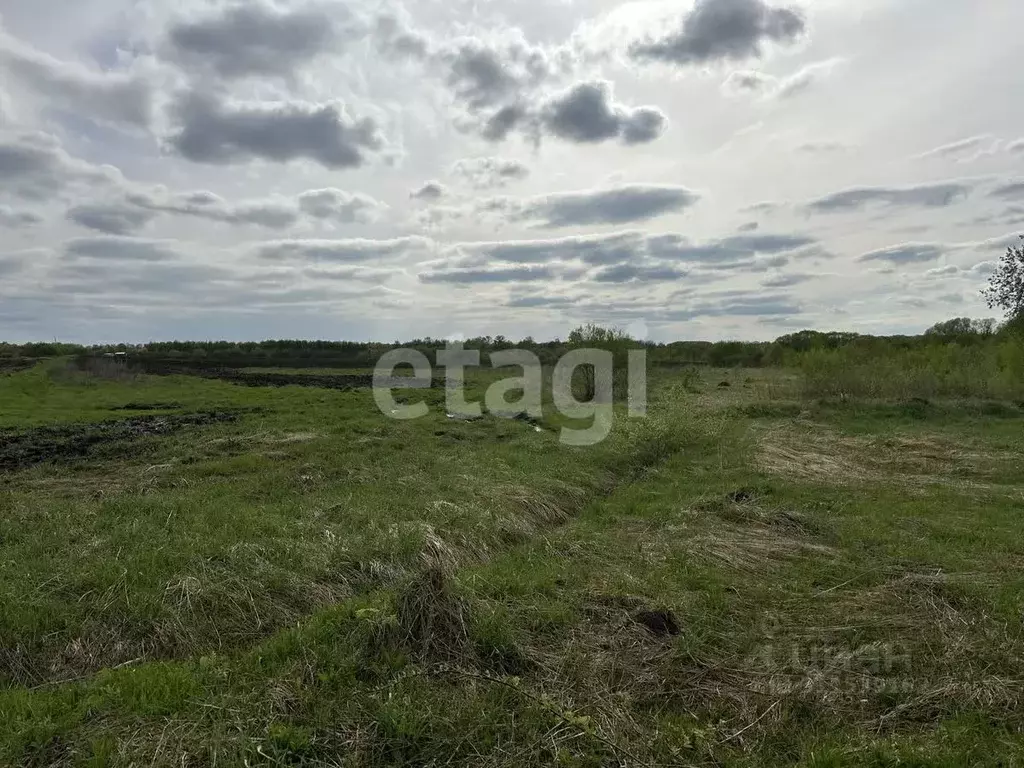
[[785, 350]]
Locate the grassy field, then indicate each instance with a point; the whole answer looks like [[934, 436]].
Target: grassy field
[[748, 576]]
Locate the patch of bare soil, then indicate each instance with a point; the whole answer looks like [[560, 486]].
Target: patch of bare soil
[[134, 406], [15, 364], [63, 442], [346, 381]]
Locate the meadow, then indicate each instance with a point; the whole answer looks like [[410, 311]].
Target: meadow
[[817, 563]]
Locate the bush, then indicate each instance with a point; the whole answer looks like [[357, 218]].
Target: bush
[[993, 369]]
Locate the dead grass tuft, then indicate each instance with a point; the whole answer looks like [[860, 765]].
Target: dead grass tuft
[[751, 548], [431, 618]]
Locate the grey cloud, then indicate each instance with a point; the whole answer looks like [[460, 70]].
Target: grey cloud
[[822, 147], [747, 81], [956, 147], [1011, 191], [747, 264], [128, 281], [485, 76], [342, 251], [340, 206], [787, 281], [107, 96], [765, 207], [998, 243], [490, 172], [9, 265], [620, 205], [642, 125], [394, 38], [264, 213], [35, 167], [15, 219], [815, 251], [754, 306], [946, 271], [592, 250], [438, 216], [920, 196], [252, 39], [500, 81], [112, 218], [629, 256], [766, 243], [541, 301], [750, 226], [350, 274], [626, 273], [800, 81], [214, 133], [1010, 216], [586, 114], [114, 248], [1016, 146], [907, 253], [500, 76], [613, 205], [771, 87], [735, 252], [432, 190], [504, 121], [274, 213], [494, 274], [720, 30]]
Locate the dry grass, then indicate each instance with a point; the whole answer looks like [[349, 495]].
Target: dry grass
[[818, 453], [754, 549]]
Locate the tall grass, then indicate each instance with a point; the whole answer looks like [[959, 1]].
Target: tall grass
[[994, 370]]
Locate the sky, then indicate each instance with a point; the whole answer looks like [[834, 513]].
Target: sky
[[372, 170]]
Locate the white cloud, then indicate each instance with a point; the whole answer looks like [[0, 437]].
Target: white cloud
[[771, 87]]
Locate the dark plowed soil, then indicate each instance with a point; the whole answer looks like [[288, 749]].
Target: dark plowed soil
[[61, 442], [9, 365], [148, 407], [250, 379], [325, 381]]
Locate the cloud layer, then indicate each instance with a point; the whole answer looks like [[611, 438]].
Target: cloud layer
[[717, 168]]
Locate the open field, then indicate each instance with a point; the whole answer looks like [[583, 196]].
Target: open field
[[239, 575]]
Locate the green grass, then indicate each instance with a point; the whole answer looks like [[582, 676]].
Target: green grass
[[319, 585]]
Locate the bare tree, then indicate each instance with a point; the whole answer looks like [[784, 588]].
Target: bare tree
[[1006, 286]]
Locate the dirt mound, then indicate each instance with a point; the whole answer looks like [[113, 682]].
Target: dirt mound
[[61, 442]]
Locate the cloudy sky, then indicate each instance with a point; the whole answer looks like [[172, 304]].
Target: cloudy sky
[[364, 169]]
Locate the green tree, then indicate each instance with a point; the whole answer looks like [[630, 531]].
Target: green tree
[[614, 340], [1006, 286], [960, 327]]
